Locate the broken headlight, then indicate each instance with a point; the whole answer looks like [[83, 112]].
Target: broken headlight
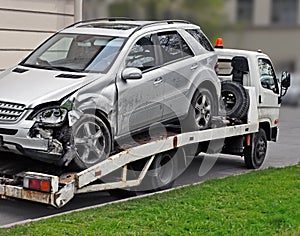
[[51, 116]]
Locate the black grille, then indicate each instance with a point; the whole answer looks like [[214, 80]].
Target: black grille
[[10, 112], [20, 70], [70, 76]]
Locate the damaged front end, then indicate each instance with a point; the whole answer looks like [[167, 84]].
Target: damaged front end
[[54, 124]]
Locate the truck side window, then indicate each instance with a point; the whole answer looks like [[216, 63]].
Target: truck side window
[[142, 54], [267, 75]]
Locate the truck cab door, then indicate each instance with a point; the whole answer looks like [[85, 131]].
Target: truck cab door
[[269, 95]]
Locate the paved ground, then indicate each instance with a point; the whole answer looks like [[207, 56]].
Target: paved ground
[[285, 152]]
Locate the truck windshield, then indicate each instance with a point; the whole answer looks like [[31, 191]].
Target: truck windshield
[[76, 52]]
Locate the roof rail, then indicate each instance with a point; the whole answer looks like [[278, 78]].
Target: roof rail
[[111, 19], [160, 22]]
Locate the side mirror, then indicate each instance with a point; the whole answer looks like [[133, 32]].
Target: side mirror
[[132, 74], [285, 80], [285, 83]]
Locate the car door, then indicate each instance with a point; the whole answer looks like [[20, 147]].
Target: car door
[[179, 65], [139, 101], [269, 89]]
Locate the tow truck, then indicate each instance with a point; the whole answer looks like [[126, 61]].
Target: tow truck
[[252, 97]]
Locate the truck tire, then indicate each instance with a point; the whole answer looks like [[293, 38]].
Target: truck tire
[[203, 107], [92, 141], [162, 173], [255, 154], [236, 99]]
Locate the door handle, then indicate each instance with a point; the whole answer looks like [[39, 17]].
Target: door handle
[[158, 81], [194, 67]]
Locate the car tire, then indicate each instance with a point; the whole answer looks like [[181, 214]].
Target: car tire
[[236, 99], [255, 154], [92, 141], [203, 107]]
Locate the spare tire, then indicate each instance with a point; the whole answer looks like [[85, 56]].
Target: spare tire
[[236, 99]]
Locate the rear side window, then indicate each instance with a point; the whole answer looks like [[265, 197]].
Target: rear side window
[[173, 46], [201, 38]]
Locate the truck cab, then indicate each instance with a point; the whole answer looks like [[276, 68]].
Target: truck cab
[[255, 69]]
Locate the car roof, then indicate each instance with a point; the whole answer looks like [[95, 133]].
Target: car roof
[[123, 27]]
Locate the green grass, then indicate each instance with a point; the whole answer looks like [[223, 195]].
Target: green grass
[[259, 203]]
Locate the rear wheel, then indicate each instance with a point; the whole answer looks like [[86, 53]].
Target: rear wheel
[[255, 154], [201, 111], [92, 141]]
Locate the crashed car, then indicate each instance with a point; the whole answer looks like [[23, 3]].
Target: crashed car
[[98, 81]]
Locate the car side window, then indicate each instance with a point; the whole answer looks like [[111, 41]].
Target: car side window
[[201, 38], [142, 54], [173, 46], [267, 75]]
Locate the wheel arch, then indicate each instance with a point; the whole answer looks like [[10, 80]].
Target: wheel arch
[[265, 125], [103, 116], [212, 88]]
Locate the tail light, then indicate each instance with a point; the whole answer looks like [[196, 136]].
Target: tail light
[[40, 182]]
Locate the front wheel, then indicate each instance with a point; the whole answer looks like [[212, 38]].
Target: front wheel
[[255, 154], [92, 141]]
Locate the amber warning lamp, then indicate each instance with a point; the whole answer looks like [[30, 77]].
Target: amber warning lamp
[[219, 43]]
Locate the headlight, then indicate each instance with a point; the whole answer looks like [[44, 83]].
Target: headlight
[[51, 116]]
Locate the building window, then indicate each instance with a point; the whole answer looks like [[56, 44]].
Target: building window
[[245, 10], [285, 12]]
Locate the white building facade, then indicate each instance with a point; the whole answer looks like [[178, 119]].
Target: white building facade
[[26, 23], [270, 25]]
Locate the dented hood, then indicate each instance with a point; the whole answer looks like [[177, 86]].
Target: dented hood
[[30, 86]]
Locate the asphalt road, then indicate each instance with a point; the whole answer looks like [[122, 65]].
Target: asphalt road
[[285, 152]]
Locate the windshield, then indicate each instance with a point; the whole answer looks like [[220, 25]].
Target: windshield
[[73, 52]]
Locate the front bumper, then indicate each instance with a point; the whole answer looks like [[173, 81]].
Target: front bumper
[[15, 138]]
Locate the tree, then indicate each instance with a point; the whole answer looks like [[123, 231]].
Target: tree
[[206, 13]]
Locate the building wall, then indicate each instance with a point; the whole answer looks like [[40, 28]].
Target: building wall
[[26, 23], [280, 41]]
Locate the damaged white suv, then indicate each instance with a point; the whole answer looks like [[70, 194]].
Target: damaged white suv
[[99, 81]]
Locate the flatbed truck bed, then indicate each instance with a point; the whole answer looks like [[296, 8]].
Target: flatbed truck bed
[[57, 188]]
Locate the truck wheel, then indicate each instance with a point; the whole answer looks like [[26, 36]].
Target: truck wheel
[[92, 141], [201, 111], [236, 99], [162, 173], [255, 154]]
